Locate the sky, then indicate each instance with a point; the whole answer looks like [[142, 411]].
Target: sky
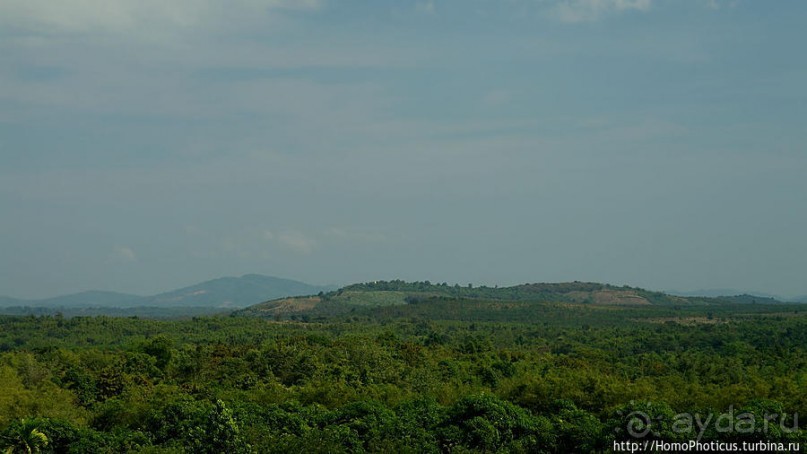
[[146, 145]]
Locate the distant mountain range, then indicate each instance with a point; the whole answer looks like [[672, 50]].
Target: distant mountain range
[[261, 295], [225, 292], [734, 293]]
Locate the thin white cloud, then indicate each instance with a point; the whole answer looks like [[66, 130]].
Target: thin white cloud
[[296, 242], [718, 4], [132, 16], [426, 7], [344, 234], [496, 97], [124, 254], [257, 243], [574, 11]]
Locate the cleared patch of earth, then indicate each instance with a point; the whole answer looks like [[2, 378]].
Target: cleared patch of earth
[[288, 305], [609, 297], [688, 321]]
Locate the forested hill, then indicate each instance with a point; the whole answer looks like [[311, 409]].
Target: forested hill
[[285, 298], [572, 292], [391, 299]]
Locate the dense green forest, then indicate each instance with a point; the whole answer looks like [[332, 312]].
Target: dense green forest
[[426, 368]]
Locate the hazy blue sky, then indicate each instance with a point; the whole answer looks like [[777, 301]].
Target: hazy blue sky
[[150, 144]]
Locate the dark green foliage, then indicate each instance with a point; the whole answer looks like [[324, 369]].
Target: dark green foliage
[[159, 347], [488, 423], [218, 433], [24, 435], [578, 430]]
